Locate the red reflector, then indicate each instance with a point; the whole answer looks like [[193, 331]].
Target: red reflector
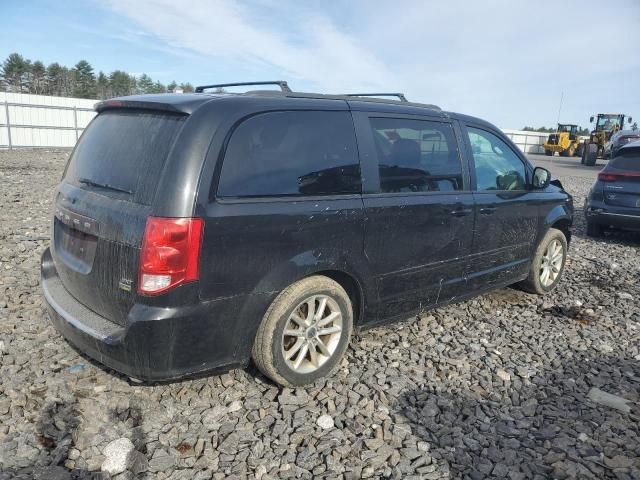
[[170, 254]]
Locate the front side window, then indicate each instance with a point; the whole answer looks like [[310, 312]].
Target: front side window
[[291, 153], [416, 155], [497, 167]]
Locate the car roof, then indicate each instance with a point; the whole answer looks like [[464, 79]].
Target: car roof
[[630, 146], [187, 103]]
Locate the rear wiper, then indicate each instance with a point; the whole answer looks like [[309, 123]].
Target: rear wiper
[[91, 183]]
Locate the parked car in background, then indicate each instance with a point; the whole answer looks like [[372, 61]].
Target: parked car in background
[[618, 140], [195, 232], [614, 200]]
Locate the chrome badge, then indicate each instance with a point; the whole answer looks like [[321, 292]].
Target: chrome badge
[[125, 284]]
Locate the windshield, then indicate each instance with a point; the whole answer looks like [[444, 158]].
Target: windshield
[[607, 122]]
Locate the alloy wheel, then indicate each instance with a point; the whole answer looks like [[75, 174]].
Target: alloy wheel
[[312, 333], [552, 260]]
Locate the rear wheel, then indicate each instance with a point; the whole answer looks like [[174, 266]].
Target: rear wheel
[[594, 229], [304, 333], [548, 153], [590, 154], [548, 263]]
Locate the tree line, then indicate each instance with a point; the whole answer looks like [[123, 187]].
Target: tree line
[[581, 131], [21, 75]]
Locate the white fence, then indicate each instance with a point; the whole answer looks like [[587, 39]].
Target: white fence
[[38, 121], [529, 142]]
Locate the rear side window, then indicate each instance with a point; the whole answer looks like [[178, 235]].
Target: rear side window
[[124, 152], [291, 153], [416, 155]]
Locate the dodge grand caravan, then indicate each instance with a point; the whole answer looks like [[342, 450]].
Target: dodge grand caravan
[[194, 232]]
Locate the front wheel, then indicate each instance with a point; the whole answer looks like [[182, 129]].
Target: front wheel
[[548, 153], [304, 333], [590, 154], [548, 263]]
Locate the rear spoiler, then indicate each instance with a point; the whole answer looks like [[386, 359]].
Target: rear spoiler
[[137, 104]]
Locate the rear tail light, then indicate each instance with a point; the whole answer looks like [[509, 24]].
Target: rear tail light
[[170, 254], [612, 177], [607, 177]]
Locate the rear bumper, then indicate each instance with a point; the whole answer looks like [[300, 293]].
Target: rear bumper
[[156, 343], [606, 216]]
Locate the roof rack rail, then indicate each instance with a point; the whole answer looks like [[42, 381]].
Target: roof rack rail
[[281, 83], [400, 96]]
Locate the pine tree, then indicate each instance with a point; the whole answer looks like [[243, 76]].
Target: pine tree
[[54, 79], [37, 80], [85, 80], [122, 83], [158, 87], [14, 73], [102, 86], [18, 74], [145, 84], [186, 87]]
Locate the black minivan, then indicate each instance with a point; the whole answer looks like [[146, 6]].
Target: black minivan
[[194, 232]]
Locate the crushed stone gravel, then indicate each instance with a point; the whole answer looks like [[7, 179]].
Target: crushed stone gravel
[[497, 386]]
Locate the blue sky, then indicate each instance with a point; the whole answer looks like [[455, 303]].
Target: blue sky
[[505, 61]]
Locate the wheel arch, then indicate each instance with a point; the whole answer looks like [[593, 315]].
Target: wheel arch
[[257, 302], [564, 225], [353, 288]]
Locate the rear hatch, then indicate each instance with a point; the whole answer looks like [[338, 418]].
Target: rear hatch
[[103, 202], [621, 181]]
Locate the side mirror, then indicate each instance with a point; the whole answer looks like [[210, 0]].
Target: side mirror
[[630, 120], [591, 120], [541, 178]]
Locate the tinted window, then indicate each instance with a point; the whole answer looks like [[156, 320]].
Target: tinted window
[[125, 150], [291, 153], [627, 159], [416, 155], [497, 166]]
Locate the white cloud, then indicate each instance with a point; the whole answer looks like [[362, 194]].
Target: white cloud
[[502, 60], [311, 48]]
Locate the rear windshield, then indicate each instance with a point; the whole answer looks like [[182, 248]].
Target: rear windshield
[[123, 152], [628, 160]]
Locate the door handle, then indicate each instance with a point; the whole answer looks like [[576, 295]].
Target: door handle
[[487, 210], [460, 212]]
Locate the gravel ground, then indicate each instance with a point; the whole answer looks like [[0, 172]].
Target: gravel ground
[[496, 386]]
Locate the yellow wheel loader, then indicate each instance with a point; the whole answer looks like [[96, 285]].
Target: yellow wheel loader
[[564, 141], [606, 125]]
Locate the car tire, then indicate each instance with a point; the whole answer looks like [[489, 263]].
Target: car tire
[[594, 230], [290, 329], [591, 155], [548, 153], [543, 260]]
